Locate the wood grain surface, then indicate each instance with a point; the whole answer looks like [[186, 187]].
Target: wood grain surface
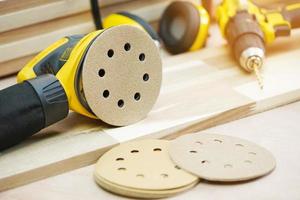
[[200, 90], [29, 40], [277, 130], [15, 14]]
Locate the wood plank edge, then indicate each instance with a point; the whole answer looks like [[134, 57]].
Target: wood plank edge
[[52, 169]]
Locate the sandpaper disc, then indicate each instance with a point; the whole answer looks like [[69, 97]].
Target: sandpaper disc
[[142, 165], [149, 194], [121, 75], [221, 158]]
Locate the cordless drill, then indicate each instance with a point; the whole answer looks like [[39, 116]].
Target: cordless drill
[[248, 27]]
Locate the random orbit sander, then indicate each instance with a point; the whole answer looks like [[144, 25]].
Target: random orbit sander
[[112, 74]]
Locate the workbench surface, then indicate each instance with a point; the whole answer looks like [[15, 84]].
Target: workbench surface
[[277, 130]]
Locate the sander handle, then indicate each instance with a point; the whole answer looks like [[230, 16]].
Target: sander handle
[[28, 107]]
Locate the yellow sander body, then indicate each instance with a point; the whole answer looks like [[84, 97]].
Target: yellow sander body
[[122, 62]]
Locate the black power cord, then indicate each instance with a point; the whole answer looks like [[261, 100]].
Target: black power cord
[[96, 14]]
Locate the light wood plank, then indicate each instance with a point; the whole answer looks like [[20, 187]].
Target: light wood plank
[[196, 94], [269, 129], [32, 39], [15, 14], [13, 66]]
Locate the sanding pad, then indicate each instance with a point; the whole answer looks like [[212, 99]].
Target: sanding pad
[[121, 75], [149, 194], [142, 168], [221, 158]]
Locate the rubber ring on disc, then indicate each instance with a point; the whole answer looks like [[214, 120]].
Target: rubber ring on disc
[[179, 26]]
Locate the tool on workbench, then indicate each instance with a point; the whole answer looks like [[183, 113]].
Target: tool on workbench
[[182, 27], [112, 74], [248, 27]]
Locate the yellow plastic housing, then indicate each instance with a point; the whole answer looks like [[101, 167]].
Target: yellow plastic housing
[[117, 19], [267, 19], [203, 30], [67, 74]]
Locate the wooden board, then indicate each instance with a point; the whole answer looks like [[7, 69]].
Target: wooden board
[[196, 94], [32, 39], [270, 129], [13, 66], [15, 14]]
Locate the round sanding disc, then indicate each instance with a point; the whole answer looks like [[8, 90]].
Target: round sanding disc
[[221, 158], [142, 165], [121, 75], [150, 194]]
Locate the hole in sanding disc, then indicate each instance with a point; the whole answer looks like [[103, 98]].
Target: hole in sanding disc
[[110, 53], [127, 47], [105, 93], [137, 96], [120, 103], [101, 72], [146, 77], [142, 57]]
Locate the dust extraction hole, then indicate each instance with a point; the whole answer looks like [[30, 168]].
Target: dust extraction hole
[[120, 103], [105, 93], [204, 161], [142, 57], [157, 149], [127, 47], [146, 77], [101, 72], [140, 175], [228, 166], [164, 175], [137, 96], [110, 53]]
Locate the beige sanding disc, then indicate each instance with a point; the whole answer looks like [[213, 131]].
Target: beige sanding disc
[[142, 165], [121, 75], [221, 158], [149, 194]]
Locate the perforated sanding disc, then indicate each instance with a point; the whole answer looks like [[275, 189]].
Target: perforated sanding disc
[[221, 158], [121, 75], [130, 192], [142, 165]]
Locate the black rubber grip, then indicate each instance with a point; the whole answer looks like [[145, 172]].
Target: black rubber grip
[[28, 107]]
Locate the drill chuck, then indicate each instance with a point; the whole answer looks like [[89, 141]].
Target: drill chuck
[[246, 40], [251, 57]]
